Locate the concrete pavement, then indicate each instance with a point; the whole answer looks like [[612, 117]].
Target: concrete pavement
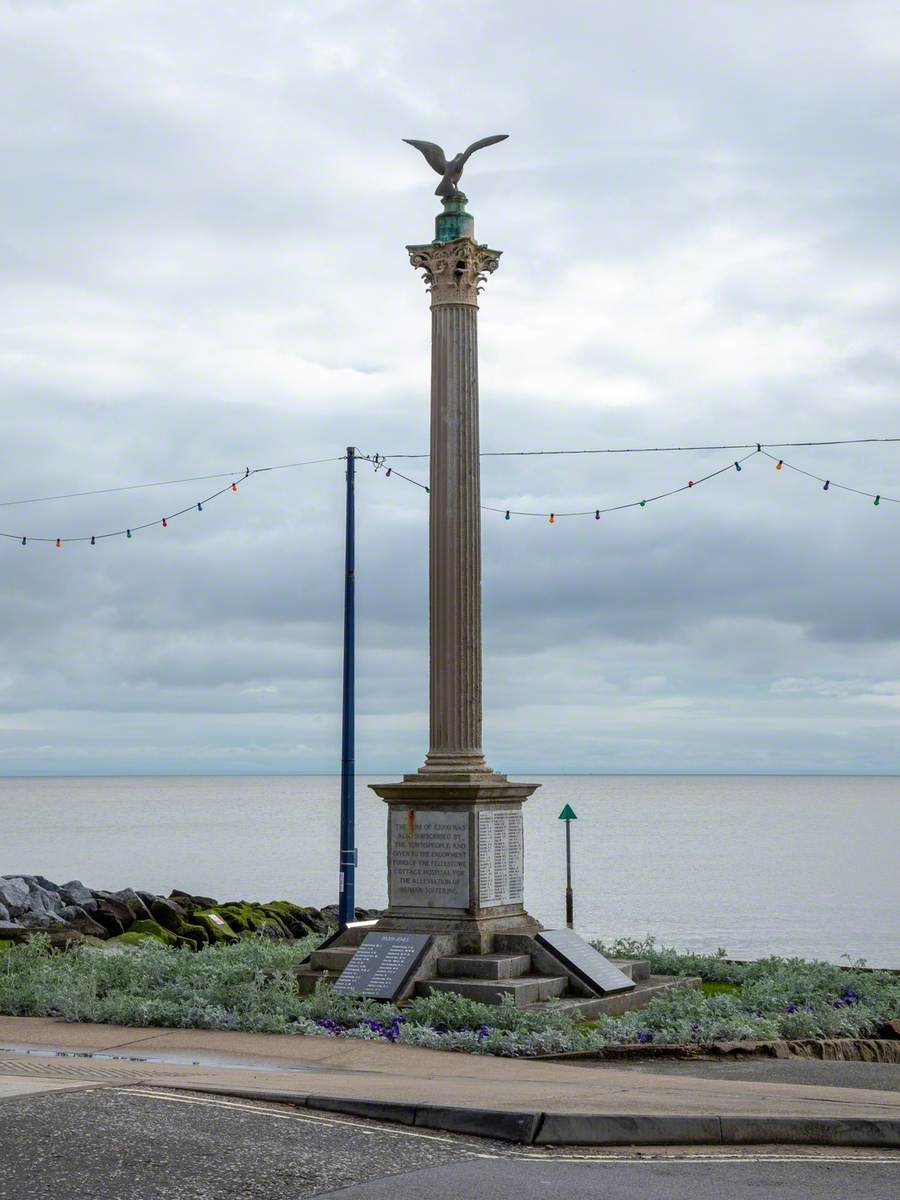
[[514, 1099]]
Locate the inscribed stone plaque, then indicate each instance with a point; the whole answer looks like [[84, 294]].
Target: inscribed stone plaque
[[382, 965], [584, 961], [428, 858], [500, 857]]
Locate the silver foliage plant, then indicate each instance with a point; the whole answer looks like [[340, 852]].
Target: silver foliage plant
[[250, 987]]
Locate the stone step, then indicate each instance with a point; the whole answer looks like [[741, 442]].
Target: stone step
[[307, 979], [634, 968], [645, 991], [526, 989], [484, 966], [332, 958]]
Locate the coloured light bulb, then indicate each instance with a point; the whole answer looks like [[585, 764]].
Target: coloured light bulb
[[24, 541], [779, 464], [93, 541], [825, 488], [506, 518], [234, 487], [128, 532], [643, 502], [690, 483], [165, 523], [58, 543], [552, 518], [199, 507], [597, 514], [737, 466], [877, 499]]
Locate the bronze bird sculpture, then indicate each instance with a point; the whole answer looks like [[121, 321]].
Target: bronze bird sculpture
[[450, 171]]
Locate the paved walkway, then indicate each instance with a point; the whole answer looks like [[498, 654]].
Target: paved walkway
[[518, 1099]]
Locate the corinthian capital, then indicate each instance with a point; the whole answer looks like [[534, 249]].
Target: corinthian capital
[[454, 271]]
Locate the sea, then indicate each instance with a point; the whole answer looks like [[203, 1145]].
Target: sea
[[756, 865]]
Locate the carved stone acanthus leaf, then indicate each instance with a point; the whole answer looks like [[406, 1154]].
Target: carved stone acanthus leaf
[[454, 271]]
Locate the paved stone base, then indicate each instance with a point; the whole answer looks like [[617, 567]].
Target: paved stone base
[[514, 965]]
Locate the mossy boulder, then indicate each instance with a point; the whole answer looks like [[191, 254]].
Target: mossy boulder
[[253, 918], [299, 920], [194, 935], [141, 931], [216, 926], [169, 914], [5, 944]]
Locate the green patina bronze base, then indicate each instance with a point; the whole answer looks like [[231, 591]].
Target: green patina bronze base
[[454, 222]]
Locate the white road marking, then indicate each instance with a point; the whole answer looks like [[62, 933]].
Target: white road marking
[[639, 1157], [300, 1114], [636, 1156]]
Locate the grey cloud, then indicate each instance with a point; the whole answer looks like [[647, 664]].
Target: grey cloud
[[204, 267]]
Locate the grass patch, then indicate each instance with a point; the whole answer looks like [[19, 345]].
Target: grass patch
[[719, 989], [250, 986]]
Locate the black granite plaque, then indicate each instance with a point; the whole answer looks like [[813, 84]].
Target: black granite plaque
[[382, 965], [584, 961]]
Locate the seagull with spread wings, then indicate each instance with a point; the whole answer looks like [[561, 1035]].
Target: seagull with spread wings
[[452, 170]]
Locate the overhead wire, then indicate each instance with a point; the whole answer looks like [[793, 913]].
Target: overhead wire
[[131, 487], [129, 530], [658, 449]]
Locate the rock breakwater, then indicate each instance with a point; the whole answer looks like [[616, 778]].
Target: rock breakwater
[[71, 913]]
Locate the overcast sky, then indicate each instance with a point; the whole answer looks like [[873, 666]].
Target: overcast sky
[[203, 219]]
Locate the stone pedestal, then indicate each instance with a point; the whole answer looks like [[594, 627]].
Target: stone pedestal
[[456, 859], [455, 845]]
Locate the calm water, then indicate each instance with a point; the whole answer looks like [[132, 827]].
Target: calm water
[[805, 865]]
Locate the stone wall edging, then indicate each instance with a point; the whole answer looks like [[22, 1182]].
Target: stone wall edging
[[882, 1050]]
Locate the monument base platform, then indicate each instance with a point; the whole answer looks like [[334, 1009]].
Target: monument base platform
[[518, 967], [456, 920]]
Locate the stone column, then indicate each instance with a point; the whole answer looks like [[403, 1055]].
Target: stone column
[[454, 272], [455, 846]]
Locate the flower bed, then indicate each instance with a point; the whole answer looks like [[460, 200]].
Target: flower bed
[[250, 987]]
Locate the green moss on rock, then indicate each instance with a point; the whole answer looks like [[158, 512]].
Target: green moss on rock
[[216, 926], [253, 918], [142, 931], [194, 934]]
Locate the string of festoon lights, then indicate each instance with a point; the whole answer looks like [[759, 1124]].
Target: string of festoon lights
[[384, 464], [128, 531]]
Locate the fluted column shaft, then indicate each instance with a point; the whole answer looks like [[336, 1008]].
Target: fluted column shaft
[[455, 541], [454, 272]]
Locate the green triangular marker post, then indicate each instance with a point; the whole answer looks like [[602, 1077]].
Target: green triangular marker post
[[568, 815]]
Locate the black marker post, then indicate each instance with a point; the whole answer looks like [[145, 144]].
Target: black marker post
[[568, 816]]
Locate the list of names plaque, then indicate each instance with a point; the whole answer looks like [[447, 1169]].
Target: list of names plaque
[[428, 858], [382, 965], [500, 857]]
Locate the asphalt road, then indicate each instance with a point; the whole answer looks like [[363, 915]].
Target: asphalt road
[[140, 1144]]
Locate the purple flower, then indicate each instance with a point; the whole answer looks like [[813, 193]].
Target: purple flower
[[331, 1026], [483, 1033], [643, 1038]]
